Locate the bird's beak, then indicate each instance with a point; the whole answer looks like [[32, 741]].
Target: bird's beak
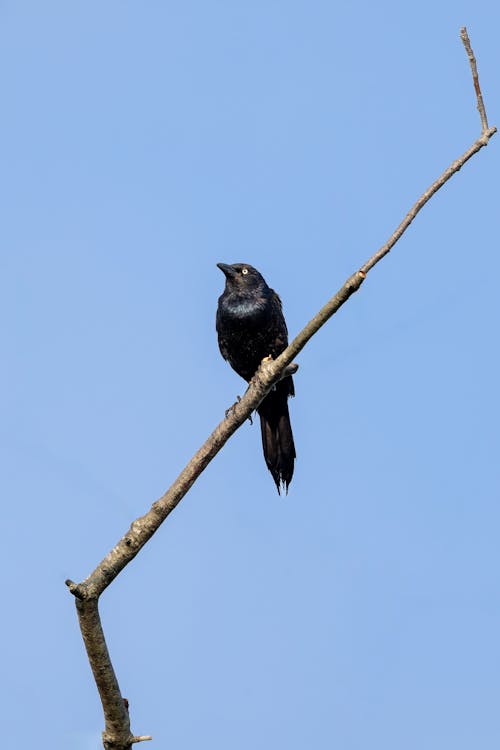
[[227, 270]]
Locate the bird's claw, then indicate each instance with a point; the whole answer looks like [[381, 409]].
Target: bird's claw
[[233, 407]]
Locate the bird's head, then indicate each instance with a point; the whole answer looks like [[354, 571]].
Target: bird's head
[[241, 277]]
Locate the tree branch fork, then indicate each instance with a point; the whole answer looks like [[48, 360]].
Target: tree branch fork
[[117, 734]]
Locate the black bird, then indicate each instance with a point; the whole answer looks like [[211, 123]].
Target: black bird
[[250, 326]]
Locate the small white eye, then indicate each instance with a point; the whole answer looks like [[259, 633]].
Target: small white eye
[[244, 271]]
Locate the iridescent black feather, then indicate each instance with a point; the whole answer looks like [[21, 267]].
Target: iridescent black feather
[[250, 326]]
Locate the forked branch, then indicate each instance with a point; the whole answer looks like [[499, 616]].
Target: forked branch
[[117, 734]]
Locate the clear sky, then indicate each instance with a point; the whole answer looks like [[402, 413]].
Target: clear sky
[[143, 142]]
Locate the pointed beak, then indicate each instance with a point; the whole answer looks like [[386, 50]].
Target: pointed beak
[[227, 270]]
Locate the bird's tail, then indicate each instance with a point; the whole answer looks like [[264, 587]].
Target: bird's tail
[[277, 437]]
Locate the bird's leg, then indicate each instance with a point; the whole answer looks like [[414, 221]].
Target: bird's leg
[[290, 369], [233, 407]]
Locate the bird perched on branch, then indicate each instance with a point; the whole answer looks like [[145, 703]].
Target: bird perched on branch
[[250, 326]]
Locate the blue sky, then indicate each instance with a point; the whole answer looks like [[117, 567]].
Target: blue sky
[[141, 144]]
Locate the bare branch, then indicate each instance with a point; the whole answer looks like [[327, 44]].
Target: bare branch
[[486, 134], [475, 79], [444, 177], [117, 735]]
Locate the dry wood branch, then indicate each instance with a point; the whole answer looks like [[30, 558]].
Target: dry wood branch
[[475, 78], [117, 735]]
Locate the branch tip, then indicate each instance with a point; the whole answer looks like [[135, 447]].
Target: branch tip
[[74, 588], [475, 79]]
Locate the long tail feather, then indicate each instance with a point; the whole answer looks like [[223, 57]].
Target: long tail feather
[[277, 436]]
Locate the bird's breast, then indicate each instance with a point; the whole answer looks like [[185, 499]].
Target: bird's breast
[[242, 311]]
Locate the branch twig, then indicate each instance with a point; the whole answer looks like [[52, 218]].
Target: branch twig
[[117, 734], [475, 80]]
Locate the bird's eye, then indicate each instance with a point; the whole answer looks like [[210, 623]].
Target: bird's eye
[[244, 271]]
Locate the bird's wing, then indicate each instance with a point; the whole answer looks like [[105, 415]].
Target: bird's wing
[[278, 325], [222, 339]]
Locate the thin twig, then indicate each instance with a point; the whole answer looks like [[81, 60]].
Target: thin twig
[[475, 78], [117, 734], [436, 185], [452, 169]]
